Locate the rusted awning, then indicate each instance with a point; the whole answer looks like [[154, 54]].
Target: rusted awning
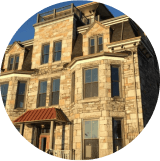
[[46, 114]]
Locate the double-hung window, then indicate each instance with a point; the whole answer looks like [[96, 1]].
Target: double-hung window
[[45, 54], [57, 51], [73, 87], [96, 44], [20, 94], [115, 81], [117, 134], [4, 91], [91, 83], [42, 93], [55, 91], [13, 62]]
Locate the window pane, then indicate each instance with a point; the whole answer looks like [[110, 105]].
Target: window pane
[[95, 129], [56, 84], [55, 98], [21, 88], [45, 59], [17, 59], [43, 87], [57, 56], [114, 73], [95, 89], [20, 101], [99, 40], [115, 89], [88, 90], [58, 46], [87, 133], [4, 98], [95, 75], [42, 99], [88, 76], [92, 50], [46, 49], [117, 145], [10, 66], [92, 42], [117, 129], [11, 60], [100, 48], [4, 89], [16, 66]]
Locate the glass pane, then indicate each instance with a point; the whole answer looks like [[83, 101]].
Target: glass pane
[[57, 56], [55, 98], [99, 40], [114, 73], [117, 129], [21, 88], [92, 50], [88, 76], [92, 42], [87, 133], [17, 59], [46, 49], [115, 89], [20, 101], [16, 66], [58, 46], [43, 87], [95, 89], [88, 90], [11, 60], [4, 98], [117, 145], [95, 129], [42, 99], [4, 89], [56, 84], [45, 59], [95, 75], [100, 48]]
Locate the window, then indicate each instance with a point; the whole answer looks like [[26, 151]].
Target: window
[[45, 54], [13, 62], [18, 128], [20, 94], [117, 135], [57, 51], [73, 87], [91, 83], [42, 93], [115, 81], [91, 139], [55, 91], [45, 130], [96, 45], [4, 91]]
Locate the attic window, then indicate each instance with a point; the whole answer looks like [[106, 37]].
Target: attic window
[[13, 62]]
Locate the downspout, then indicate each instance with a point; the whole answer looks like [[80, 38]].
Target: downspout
[[135, 91]]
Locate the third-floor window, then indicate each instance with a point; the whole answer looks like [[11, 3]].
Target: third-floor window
[[42, 93], [13, 62], [45, 54], [57, 51]]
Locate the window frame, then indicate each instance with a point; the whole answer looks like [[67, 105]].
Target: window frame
[[122, 131], [52, 92], [42, 51], [73, 87], [7, 92], [91, 82], [54, 44], [14, 62], [119, 76], [23, 95], [38, 96], [98, 43]]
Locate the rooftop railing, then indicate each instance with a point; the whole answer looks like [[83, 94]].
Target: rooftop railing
[[59, 12]]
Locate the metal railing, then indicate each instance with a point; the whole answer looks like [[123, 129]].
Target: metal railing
[[65, 154]]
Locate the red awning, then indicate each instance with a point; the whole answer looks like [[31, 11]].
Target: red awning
[[42, 115]]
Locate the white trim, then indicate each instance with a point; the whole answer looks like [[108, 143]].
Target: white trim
[[15, 75], [94, 59]]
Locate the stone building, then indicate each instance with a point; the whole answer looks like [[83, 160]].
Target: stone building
[[85, 86]]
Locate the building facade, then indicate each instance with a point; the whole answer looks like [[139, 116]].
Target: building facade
[[85, 86]]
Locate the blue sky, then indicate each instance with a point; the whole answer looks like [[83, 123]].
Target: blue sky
[[26, 31]]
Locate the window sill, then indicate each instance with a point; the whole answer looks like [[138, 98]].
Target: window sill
[[96, 99], [19, 110], [57, 62], [117, 99]]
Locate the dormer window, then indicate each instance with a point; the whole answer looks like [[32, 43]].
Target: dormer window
[[13, 62]]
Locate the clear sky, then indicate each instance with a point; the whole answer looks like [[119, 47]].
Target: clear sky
[[26, 31]]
